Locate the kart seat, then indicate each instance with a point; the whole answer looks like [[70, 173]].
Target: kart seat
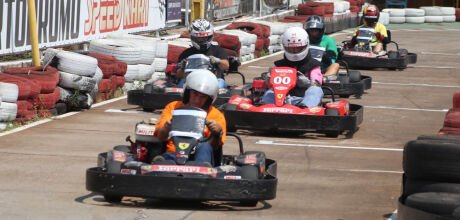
[[389, 39]]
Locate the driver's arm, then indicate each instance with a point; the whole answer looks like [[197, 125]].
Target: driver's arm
[[224, 64], [163, 132], [316, 77], [216, 133]]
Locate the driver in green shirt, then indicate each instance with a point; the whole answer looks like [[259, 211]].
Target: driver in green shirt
[[323, 47]]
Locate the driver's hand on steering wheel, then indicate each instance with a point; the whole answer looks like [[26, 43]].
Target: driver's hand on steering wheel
[[167, 125], [214, 60], [214, 127]]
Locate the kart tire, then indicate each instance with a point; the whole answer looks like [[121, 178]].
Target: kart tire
[[250, 172], [355, 76], [403, 52], [412, 186], [432, 160], [412, 58], [434, 202], [230, 107], [145, 109], [441, 138], [113, 198]]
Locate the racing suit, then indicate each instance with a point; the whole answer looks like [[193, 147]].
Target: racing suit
[[204, 150], [310, 68]]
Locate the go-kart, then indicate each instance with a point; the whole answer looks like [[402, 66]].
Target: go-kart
[[346, 82], [362, 57], [158, 94], [128, 170], [250, 113]]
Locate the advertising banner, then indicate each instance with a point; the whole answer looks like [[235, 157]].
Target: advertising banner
[[75, 21], [226, 9], [173, 9]]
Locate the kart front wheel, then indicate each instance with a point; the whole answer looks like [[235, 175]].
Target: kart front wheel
[[113, 198], [250, 172], [355, 76]]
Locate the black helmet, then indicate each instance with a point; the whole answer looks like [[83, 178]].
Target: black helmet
[[314, 22]]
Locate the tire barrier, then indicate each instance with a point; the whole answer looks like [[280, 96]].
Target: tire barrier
[[452, 119], [426, 14], [47, 77], [174, 53]]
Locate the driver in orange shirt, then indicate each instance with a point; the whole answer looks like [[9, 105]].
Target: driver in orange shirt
[[200, 90]]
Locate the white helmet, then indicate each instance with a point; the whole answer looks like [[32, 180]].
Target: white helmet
[[295, 43], [201, 34], [203, 81]]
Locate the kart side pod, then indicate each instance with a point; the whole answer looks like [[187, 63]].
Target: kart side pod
[[341, 108], [256, 159]]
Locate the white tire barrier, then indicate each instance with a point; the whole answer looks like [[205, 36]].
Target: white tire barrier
[[415, 20], [432, 11], [9, 92], [414, 12], [76, 63], [160, 64], [448, 18], [8, 111], [384, 18], [161, 50], [146, 44], [433, 19], [131, 73], [157, 76], [447, 10], [72, 81], [397, 20], [98, 75], [274, 39], [5, 125], [145, 72], [395, 12], [125, 52]]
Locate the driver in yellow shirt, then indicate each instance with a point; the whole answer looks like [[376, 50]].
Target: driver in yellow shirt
[[371, 16]]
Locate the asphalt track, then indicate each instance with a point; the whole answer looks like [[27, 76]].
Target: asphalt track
[[43, 167]]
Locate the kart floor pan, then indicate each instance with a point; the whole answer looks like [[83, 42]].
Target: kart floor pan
[[181, 187], [237, 119], [358, 62]]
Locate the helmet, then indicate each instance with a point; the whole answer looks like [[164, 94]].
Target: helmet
[[203, 81], [295, 43], [371, 14], [314, 22], [201, 34]]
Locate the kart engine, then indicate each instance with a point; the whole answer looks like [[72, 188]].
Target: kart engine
[[146, 146]]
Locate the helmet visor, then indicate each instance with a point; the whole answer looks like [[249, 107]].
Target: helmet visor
[[295, 49], [201, 40]]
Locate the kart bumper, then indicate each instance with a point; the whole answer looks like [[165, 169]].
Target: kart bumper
[[182, 187], [238, 119], [348, 89], [407, 213], [374, 62]]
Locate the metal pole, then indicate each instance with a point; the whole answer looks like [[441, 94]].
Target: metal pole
[[260, 8], [254, 7], [187, 13], [33, 33]]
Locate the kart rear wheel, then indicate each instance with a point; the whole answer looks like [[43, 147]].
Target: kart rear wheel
[[113, 198], [355, 75], [148, 109], [393, 54], [332, 112], [344, 79]]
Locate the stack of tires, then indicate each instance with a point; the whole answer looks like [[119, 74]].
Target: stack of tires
[[276, 31], [457, 14], [230, 43], [397, 15], [9, 91], [452, 120], [247, 40], [431, 180], [24, 91], [79, 76], [439, 14], [261, 31], [44, 79], [113, 72], [415, 15]]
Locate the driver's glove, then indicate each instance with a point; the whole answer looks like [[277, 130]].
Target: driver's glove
[[214, 128], [379, 36], [214, 60]]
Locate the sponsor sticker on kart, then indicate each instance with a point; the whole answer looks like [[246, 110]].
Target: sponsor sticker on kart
[[128, 171], [172, 89], [232, 177], [228, 168], [179, 169], [183, 146], [250, 158], [277, 110], [360, 54], [119, 156]]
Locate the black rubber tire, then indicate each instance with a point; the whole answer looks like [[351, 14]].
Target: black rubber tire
[[344, 96], [113, 198], [403, 52], [148, 88], [432, 160], [434, 202], [229, 107], [456, 213], [249, 203], [440, 138], [411, 58], [355, 76], [249, 172], [332, 112], [61, 108], [413, 186]]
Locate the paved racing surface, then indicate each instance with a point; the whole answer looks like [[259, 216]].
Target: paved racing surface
[[43, 167]]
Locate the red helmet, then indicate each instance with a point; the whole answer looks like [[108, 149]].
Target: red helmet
[[371, 14]]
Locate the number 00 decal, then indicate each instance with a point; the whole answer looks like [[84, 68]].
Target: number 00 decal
[[284, 80]]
